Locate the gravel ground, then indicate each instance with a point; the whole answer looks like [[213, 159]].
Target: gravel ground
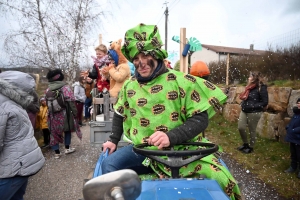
[[62, 179]]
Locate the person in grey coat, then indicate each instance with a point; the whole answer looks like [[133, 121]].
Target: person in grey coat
[[80, 97], [20, 155]]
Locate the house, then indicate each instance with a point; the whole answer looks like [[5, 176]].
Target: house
[[212, 53]]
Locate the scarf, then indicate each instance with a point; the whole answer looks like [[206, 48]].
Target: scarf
[[100, 62], [160, 69], [244, 95]]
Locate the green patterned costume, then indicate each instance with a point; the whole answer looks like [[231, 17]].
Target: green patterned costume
[[164, 104]]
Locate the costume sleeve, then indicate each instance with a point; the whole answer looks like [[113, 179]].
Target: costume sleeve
[[117, 129], [190, 129], [94, 73], [199, 95]]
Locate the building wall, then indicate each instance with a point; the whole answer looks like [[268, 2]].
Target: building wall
[[206, 56]]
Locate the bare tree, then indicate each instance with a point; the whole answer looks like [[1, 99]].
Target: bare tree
[[51, 33]]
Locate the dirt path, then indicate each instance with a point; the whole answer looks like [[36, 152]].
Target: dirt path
[[62, 179]]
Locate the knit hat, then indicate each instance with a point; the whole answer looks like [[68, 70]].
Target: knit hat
[[114, 56], [42, 99], [55, 75], [143, 39]]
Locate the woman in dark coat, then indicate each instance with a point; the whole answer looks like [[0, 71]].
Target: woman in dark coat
[[255, 99]]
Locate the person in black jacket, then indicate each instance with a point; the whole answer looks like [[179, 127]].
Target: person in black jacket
[[293, 137], [254, 100]]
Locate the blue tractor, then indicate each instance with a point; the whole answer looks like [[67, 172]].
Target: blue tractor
[[127, 185]]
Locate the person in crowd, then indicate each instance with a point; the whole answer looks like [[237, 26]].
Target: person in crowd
[[65, 120], [34, 107], [99, 62], [164, 108], [89, 85], [293, 137], [254, 100], [42, 124], [80, 97], [102, 82], [20, 155]]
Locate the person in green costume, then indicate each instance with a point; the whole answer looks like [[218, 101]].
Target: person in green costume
[[164, 108]]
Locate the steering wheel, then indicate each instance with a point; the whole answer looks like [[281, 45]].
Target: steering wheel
[[175, 158]]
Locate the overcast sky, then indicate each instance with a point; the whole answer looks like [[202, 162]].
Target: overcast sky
[[234, 23]]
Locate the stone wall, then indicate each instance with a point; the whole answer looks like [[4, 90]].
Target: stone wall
[[273, 121]]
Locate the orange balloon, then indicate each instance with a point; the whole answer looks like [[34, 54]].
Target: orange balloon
[[200, 69]]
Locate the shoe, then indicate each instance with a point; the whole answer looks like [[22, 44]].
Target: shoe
[[44, 146], [57, 155], [244, 146], [291, 170], [70, 150], [247, 150], [81, 124]]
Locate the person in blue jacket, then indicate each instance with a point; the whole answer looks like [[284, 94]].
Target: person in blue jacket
[[293, 137]]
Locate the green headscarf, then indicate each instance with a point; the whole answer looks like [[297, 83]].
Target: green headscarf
[[143, 39]]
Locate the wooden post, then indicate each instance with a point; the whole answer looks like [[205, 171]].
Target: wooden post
[[183, 60], [227, 70], [100, 38], [106, 106]]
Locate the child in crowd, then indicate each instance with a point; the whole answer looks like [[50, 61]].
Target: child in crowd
[[42, 122], [293, 137], [89, 85], [99, 62]]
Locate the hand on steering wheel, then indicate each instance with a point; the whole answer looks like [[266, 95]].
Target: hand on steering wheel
[[159, 139]]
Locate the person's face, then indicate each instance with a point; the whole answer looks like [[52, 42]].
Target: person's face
[[89, 80], [43, 103], [298, 105], [250, 79], [100, 54], [112, 62], [144, 64]]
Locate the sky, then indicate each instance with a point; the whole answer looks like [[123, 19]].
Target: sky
[[232, 23]]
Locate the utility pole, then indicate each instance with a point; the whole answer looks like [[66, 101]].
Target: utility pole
[[166, 26]]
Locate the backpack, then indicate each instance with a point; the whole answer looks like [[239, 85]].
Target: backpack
[[55, 100]]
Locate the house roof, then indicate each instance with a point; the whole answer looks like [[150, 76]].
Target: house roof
[[232, 50]]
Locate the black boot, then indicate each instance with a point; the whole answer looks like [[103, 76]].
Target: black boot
[[244, 146], [247, 150]]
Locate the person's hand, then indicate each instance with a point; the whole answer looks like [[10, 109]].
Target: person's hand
[[112, 147], [159, 139], [104, 70], [84, 73]]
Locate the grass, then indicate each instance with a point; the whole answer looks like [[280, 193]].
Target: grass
[[295, 85], [268, 161]]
